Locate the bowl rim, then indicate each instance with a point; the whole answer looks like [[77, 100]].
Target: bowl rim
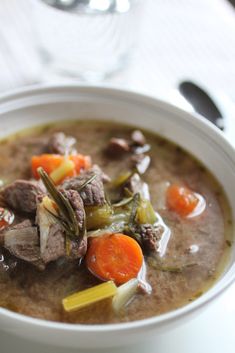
[[21, 95]]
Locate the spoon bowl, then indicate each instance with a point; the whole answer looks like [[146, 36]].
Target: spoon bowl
[[202, 102]]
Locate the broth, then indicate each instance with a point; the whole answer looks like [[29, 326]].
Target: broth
[[198, 245]]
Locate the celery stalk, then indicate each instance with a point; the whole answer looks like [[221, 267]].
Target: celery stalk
[[62, 171], [89, 296]]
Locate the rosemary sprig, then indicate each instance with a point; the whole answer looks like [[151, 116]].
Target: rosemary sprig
[[127, 192], [68, 216], [86, 182], [174, 269], [135, 205], [123, 202]]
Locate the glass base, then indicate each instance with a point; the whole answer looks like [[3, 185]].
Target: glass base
[[57, 68]]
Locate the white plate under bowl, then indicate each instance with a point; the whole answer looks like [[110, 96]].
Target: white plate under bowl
[[31, 107]]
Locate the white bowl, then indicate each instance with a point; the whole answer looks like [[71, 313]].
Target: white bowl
[[31, 107]]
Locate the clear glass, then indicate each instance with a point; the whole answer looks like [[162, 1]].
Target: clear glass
[[87, 39]]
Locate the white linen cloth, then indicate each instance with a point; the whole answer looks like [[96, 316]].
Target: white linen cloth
[[179, 39]]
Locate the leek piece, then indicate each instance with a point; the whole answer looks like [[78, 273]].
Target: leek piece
[[124, 294], [62, 171], [114, 228], [145, 213], [98, 217], [50, 205], [122, 178], [89, 296]]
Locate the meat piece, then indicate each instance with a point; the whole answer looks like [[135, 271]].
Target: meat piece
[[77, 205], [141, 162], [22, 241], [138, 138], [55, 245], [136, 185], [22, 195], [117, 147], [2, 237], [150, 236], [2, 201], [52, 235], [97, 170], [59, 143], [92, 194], [78, 248], [52, 239]]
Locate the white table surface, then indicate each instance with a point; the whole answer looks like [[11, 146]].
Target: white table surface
[[193, 39]]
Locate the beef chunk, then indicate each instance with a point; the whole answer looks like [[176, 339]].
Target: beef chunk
[[97, 170], [117, 147], [92, 194], [22, 241], [52, 235], [55, 245], [77, 205], [78, 248], [2, 237], [52, 240], [150, 236], [136, 185], [59, 143], [22, 195], [138, 138], [2, 201]]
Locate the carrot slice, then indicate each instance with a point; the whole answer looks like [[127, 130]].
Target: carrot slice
[[181, 199], [81, 162], [50, 162], [116, 257]]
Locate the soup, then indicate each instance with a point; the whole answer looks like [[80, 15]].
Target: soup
[[121, 208]]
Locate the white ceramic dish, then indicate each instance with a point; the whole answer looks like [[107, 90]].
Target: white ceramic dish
[[36, 106]]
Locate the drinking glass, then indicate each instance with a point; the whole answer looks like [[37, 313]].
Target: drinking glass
[[86, 39]]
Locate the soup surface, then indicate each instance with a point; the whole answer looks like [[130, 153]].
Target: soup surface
[[189, 253]]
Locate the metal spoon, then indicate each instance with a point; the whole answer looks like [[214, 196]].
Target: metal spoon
[[202, 102]]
